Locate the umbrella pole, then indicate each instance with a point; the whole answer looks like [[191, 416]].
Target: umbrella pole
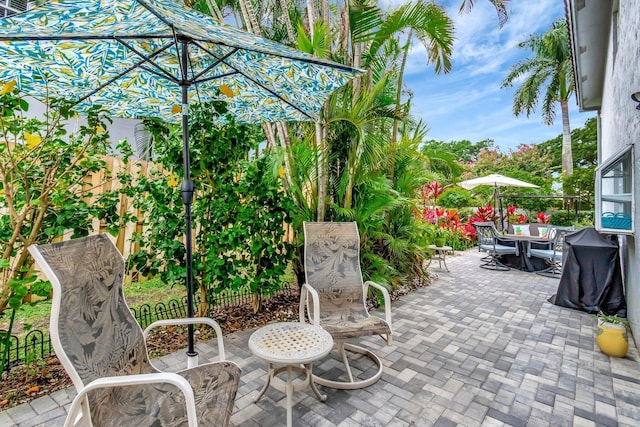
[[187, 190]]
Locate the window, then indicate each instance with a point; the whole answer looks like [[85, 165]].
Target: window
[[614, 194], [11, 7]]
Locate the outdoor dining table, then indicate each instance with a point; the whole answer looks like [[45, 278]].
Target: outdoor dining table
[[522, 261]]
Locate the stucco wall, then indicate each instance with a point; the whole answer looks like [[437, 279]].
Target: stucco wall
[[620, 126]]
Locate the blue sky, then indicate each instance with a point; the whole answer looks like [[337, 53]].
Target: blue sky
[[468, 103]]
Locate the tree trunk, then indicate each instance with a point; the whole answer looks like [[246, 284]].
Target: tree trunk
[[255, 26], [285, 142], [214, 9], [323, 168], [321, 143], [345, 35], [291, 34], [396, 122], [245, 16], [325, 12], [567, 155], [311, 16]]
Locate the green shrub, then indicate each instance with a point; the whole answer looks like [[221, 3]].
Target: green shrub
[[563, 218], [455, 198], [585, 219]]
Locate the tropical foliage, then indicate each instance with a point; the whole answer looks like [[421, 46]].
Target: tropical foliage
[[584, 143], [361, 162], [45, 195], [239, 213], [549, 70]]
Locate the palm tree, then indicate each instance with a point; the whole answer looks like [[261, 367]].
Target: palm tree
[[500, 5], [419, 19], [549, 69]]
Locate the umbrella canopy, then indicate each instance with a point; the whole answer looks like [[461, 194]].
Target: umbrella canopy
[[128, 55], [495, 180], [140, 58]]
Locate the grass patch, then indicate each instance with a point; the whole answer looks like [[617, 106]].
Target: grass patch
[[36, 315]]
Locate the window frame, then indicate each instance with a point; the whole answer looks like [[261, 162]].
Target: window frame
[[618, 158]]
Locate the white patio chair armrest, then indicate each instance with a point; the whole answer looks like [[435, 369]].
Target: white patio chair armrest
[[191, 321], [140, 379], [304, 303], [385, 295]]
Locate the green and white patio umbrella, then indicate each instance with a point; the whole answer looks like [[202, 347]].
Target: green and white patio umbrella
[[141, 58]]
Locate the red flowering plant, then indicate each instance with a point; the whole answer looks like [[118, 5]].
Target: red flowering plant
[[467, 231], [483, 214], [522, 219], [430, 193], [511, 210], [433, 190], [543, 218], [449, 220]]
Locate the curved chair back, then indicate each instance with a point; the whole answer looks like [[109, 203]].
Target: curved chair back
[[92, 330], [486, 234], [334, 296], [332, 267], [102, 347], [559, 234], [553, 254]]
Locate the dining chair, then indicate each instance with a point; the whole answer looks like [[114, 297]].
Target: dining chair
[[487, 236], [334, 297], [102, 347], [552, 254]]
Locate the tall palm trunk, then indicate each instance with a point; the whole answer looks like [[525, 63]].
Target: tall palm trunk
[[321, 143], [323, 171], [311, 16], [567, 154], [285, 141], [249, 17], [396, 121], [287, 21], [214, 9], [325, 12]]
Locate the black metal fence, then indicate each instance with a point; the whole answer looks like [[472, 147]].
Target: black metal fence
[[36, 345]]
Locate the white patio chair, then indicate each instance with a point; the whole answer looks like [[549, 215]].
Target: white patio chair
[[102, 348], [334, 296]]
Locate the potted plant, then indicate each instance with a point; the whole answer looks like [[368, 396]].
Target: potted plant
[[611, 335], [440, 237]]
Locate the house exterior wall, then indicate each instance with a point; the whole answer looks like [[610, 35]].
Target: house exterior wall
[[620, 127]]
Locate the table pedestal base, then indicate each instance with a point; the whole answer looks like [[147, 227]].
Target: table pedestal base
[[290, 386]]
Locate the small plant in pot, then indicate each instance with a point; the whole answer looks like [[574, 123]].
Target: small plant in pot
[[440, 237], [611, 335]]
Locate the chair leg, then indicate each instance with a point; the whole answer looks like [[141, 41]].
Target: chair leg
[[494, 264], [352, 383]]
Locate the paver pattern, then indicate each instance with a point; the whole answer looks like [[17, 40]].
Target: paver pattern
[[475, 348]]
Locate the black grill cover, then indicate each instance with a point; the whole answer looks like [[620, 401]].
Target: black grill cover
[[591, 278]]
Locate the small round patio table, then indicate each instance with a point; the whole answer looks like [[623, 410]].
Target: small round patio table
[[296, 346], [440, 255]]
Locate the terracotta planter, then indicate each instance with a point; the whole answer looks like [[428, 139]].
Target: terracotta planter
[[612, 339]]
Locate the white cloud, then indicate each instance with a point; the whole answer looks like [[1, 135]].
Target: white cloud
[[468, 103]]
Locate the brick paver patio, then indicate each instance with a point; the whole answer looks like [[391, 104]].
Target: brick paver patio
[[476, 348]]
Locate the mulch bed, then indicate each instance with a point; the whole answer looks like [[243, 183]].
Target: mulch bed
[[27, 382]]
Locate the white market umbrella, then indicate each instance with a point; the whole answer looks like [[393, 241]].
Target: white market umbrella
[[496, 180]]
